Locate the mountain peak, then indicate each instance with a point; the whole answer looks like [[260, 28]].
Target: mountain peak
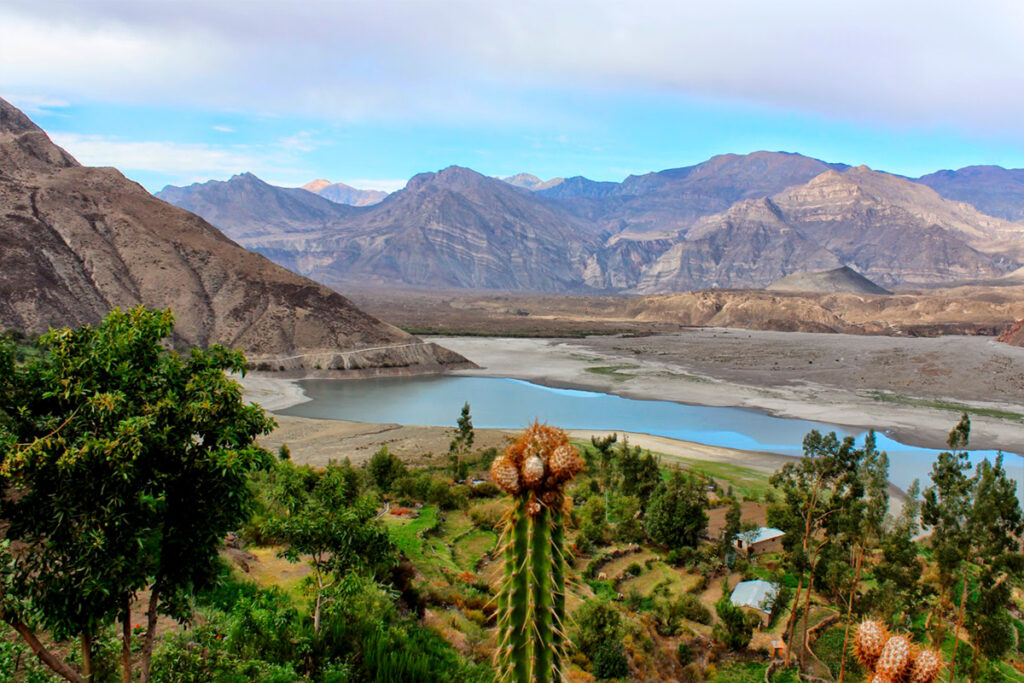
[[25, 147]]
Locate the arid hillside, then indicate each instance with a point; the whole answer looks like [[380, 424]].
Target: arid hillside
[[76, 242]]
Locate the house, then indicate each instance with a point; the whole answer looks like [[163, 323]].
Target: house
[[755, 597], [763, 540]]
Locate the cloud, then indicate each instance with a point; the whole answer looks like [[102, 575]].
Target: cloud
[[224, 129], [165, 157], [902, 64], [36, 105], [303, 141]]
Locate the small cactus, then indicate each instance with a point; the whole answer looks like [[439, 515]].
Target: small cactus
[[531, 600], [893, 658]]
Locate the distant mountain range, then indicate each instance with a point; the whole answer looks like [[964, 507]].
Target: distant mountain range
[[344, 194], [76, 242], [734, 221]]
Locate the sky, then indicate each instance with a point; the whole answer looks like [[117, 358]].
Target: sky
[[372, 92]]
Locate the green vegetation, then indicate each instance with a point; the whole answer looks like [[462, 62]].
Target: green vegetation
[[889, 397], [613, 371], [135, 496]]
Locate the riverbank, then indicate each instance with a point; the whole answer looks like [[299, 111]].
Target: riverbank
[[914, 389]]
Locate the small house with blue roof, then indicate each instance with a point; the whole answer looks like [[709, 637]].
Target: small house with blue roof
[[755, 597]]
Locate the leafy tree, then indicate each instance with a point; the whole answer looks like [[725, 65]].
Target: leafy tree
[[815, 490], [593, 521], [598, 636], [338, 540], [734, 628], [629, 527], [975, 521], [462, 444], [603, 446], [676, 514], [899, 594], [125, 464], [385, 468], [637, 473]]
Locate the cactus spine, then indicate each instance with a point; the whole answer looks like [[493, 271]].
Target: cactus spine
[[893, 658], [531, 600]]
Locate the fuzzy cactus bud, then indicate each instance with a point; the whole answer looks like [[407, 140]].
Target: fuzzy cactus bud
[[565, 463], [869, 642], [926, 666], [895, 658], [506, 476], [533, 472]]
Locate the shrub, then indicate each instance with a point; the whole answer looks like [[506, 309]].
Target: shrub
[[609, 661], [487, 515], [684, 653]]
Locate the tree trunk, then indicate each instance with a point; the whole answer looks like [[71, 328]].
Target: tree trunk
[[147, 643], [792, 618], [807, 612], [126, 641], [849, 612], [959, 621], [87, 656], [58, 666]]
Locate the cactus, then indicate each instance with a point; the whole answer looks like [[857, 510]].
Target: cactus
[[893, 658], [531, 599]]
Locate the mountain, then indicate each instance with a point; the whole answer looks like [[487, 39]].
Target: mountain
[[344, 194], [732, 221], [1014, 336], [895, 231], [843, 280], [993, 190], [245, 206], [531, 182], [454, 228], [76, 242]]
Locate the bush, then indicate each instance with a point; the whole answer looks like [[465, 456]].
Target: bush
[[487, 515], [684, 653], [609, 661], [484, 489], [691, 608]]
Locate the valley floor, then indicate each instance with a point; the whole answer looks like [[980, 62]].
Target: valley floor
[[913, 387]]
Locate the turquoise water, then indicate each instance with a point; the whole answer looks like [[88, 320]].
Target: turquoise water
[[510, 403]]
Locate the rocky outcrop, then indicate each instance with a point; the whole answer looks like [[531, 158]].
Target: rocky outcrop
[[1014, 336], [76, 242]]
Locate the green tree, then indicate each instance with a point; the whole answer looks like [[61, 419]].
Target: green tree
[[125, 464], [734, 628], [462, 444], [815, 490], [899, 595], [385, 468], [598, 636], [637, 472], [676, 514], [338, 540], [594, 521]]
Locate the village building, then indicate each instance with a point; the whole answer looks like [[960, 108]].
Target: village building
[[759, 541], [755, 597]]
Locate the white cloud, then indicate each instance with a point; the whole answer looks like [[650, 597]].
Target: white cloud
[[224, 129], [164, 157], [34, 105], [903, 63]]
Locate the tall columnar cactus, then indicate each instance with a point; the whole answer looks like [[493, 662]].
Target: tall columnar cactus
[[893, 658], [531, 600]]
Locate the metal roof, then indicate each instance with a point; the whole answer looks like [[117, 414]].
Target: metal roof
[[757, 594], [765, 533]]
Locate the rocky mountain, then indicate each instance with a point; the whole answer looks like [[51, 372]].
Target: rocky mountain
[[245, 206], [993, 190], [344, 194], [733, 221], [76, 242], [531, 182], [455, 228], [843, 280]]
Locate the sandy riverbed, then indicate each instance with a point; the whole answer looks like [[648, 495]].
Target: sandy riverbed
[[831, 378], [770, 371]]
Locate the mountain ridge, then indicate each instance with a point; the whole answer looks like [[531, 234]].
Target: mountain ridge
[[78, 241]]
